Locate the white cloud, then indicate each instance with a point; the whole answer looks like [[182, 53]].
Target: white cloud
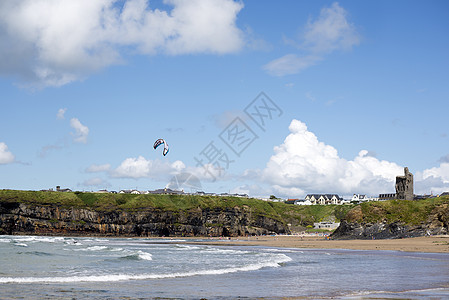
[[98, 168], [435, 180], [133, 168], [290, 64], [60, 114], [159, 170], [303, 164], [204, 26], [6, 157], [81, 131], [329, 33], [142, 168], [54, 42]]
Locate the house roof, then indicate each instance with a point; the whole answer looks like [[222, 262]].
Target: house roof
[[329, 196]]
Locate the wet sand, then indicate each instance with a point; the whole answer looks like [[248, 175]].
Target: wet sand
[[432, 244]]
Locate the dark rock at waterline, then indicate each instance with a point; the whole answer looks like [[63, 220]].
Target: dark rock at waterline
[[20, 218], [436, 223]]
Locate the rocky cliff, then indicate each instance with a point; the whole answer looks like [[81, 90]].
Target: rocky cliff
[[25, 218], [354, 225]]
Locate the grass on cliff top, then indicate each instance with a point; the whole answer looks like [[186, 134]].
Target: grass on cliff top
[[409, 212], [293, 214], [39, 197]]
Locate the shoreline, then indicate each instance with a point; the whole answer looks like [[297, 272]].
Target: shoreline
[[430, 244]]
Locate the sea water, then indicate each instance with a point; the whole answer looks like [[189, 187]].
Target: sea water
[[34, 267]]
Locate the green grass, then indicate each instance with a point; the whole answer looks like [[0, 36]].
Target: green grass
[[286, 213], [408, 212], [42, 198]]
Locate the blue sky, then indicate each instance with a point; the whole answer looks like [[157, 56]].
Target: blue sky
[[357, 89]]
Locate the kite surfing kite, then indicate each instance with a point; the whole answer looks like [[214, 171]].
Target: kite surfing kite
[[160, 142]]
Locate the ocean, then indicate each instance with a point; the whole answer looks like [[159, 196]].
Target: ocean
[[33, 267]]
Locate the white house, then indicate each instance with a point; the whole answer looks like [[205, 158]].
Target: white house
[[363, 198], [323, 199], [303, 202]]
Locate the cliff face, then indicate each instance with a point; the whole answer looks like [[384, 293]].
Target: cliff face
[[437, 223], [20, 218]]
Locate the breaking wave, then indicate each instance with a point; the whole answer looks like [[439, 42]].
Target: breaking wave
[[139, 255], [124, 277]]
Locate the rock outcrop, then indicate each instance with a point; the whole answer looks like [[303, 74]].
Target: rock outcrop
[[21, 218], [437, 223]]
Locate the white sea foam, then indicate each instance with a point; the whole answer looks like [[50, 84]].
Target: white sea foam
[[162, 241], [24, 239], [35, 239], [72, 242], [124, 277], [274, 250], [116, 249], [50, 239], [91, 248], [140, 255], [144, 255], [186, 247], [224, 251], [96, 248]]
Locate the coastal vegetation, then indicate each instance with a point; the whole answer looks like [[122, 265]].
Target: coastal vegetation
[[404, 211], [55, 212], [106, 202]]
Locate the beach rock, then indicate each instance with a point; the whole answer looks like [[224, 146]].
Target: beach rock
[[20, 218], [437, 223]]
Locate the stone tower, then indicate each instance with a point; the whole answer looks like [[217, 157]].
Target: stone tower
[[404, 186]]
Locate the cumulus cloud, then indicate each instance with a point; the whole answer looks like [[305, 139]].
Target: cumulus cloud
[[330, 32], [6, 157], [140, 167], [434, 180], [81, 131], [60, 114], [303, 164], [53, 42]]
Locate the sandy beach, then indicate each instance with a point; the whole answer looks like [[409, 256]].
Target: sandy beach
[[431, 244]]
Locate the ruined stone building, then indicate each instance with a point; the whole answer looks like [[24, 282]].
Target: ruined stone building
[[404, 186]]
